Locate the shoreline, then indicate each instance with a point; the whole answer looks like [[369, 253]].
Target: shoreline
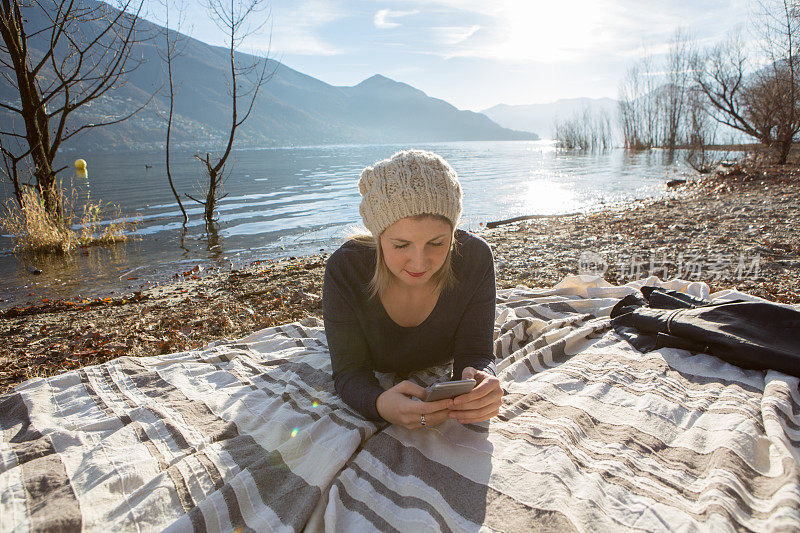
[[147, 277], [730, 230]]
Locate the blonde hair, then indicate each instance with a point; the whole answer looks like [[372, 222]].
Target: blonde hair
[[443, 279]]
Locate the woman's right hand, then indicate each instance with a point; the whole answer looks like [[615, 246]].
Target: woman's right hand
[[396, 406]]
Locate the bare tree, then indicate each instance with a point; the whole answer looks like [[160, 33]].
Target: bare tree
[[700, 129], [677, 81], [631, 110], [627, 108], [234, 18], [587, 129], [172, 48], [59, 56], [651, 98], [762, 103], [641, 96], [779, 27]]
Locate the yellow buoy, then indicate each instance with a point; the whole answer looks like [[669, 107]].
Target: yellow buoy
[[80, 169]]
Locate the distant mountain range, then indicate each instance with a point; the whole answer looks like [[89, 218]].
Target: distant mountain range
[[542, 117], [291, 109]]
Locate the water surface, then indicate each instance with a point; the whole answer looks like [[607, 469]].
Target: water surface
[[295, 201]]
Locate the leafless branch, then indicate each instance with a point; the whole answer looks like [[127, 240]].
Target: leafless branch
[[235, 18], [86, 52]]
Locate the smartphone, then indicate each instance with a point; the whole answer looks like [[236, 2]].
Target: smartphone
[[449, 389]]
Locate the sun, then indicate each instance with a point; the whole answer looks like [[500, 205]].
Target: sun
[[550, 31]]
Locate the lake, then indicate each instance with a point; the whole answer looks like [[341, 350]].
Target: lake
[[296, 201]]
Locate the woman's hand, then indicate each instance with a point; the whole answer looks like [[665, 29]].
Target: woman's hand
[[481, 403], [396, 406]]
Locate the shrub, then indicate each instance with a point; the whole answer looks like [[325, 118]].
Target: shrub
[[33, 229]]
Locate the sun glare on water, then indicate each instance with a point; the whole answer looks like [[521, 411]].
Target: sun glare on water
[[547, 197]]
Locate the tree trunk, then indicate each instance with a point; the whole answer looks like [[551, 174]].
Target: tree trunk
[[37, 135], [17, 190], [782, 148], [211, 197], [170, 52], [46, 181]]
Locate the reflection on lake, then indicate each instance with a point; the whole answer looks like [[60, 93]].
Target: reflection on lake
[[294, 201]]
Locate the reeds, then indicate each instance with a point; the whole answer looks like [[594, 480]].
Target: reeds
[[33, 229]]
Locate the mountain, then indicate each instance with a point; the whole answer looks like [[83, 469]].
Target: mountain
[[541, 117], [291, 109]]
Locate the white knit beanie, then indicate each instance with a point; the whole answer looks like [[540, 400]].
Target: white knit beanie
[[411, 183]]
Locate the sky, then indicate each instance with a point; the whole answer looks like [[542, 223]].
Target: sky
[[477, 53]]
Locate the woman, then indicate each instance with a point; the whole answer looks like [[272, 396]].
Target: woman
[[414, 293]]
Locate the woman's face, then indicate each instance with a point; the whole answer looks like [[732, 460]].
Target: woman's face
[[415, 249]]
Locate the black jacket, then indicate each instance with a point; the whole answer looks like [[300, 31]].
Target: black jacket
[[756, 335]]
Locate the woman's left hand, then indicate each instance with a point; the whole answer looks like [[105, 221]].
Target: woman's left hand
[[481, 403]]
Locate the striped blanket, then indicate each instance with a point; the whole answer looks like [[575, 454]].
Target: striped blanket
[[250, 434]]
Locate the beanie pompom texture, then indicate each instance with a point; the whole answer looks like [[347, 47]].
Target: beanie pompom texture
[[411, 182]]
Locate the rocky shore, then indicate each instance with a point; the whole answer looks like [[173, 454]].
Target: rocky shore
[[735, 228]]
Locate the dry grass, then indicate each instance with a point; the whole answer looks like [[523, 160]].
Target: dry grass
[[33, 229]]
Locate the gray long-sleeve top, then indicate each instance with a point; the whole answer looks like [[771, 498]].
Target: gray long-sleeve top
[[362, 337]]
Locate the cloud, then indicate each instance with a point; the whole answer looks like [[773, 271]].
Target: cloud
[[452, 35], [297, 27], [382, 16], [478, 7], [524, 32]]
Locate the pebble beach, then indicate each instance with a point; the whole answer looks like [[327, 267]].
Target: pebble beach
[[735, 228]]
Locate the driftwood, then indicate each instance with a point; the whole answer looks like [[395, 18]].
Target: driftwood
[[490, 225]]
